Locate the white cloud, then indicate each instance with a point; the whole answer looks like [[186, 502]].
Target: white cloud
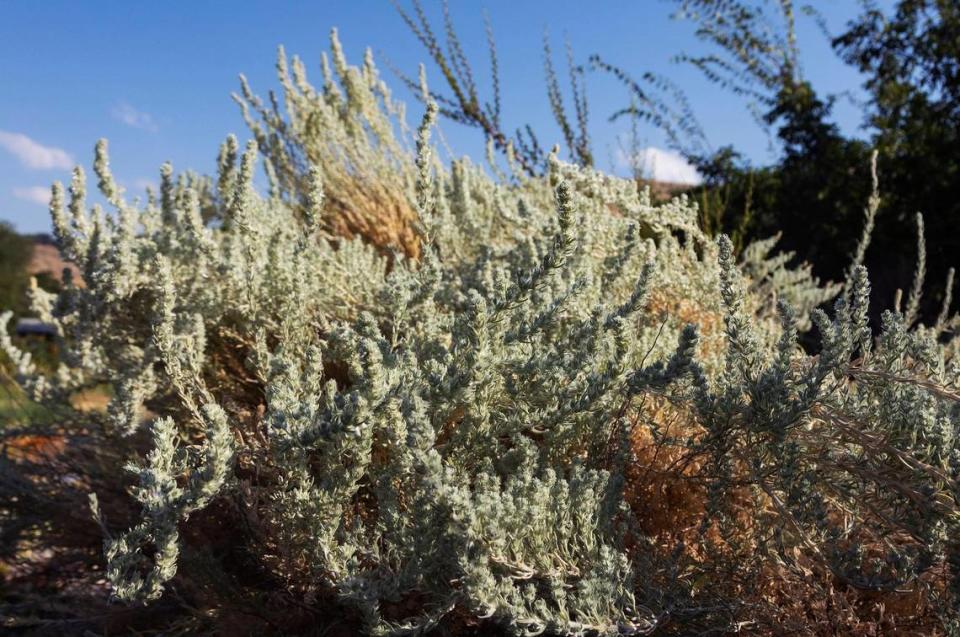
[[660, 165], [36, 194], [33, 154], [127, 114]]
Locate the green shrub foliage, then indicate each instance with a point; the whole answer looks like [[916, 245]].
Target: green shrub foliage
[[436, 426]]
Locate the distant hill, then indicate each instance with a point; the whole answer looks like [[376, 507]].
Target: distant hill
[[664, 190], [46, 259]]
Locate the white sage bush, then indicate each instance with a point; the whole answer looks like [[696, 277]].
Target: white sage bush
[[418, 387]]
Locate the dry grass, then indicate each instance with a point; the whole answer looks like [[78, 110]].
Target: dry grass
[[668, 304], [381, 217], [788, 591]]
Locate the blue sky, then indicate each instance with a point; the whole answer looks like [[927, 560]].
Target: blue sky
[[155, 78]]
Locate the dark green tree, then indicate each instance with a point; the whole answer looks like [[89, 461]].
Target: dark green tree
[[820, 185], [911, 61], [15, 252], [815, 193]]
